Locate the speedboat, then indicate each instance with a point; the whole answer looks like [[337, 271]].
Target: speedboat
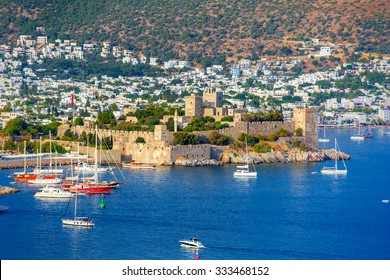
[[138, 165], [191, 243], [3, 208]]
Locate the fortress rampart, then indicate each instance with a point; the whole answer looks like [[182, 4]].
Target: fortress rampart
[[157, 148]]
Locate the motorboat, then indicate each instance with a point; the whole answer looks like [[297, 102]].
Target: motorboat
[[368, 135], [53, 192], [137, 165], [192, 243], [3, 209]]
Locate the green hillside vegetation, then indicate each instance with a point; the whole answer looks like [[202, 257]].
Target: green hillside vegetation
[[203, 31]]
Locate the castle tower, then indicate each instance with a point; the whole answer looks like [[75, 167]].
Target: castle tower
[[193, 106], [160, 132], [307, 119], [212, 99]]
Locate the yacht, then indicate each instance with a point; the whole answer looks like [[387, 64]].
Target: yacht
[[359, 136], [335, 170], [243, 170], [191, 243], [138, 165], [87, 167], [323, 140], [78, 222], [83, 222], [45, 181], [3, 209], [52, 192]]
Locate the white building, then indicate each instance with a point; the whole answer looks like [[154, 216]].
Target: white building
[[153, 61], [41, 40], [384, 114]]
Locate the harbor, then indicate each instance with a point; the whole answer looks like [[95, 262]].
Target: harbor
[[289, 211]]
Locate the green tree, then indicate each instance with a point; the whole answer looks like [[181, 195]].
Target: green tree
[[226, 119], [184, 138], [299, 132], [105, 119], [9, 145], [16, 126], [78, 121], [140, 140], [216, 138]]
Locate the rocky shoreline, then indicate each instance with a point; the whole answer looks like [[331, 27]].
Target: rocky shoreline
[[285, 155], [8, 190], [291, 155]]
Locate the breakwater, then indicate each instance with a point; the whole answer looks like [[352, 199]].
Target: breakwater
[[32, 163]]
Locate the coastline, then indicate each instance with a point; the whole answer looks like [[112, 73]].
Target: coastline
[[234, 156], [282, 155]]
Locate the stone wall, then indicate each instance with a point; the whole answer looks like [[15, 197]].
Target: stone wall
[[254, 128], [157, 148], [190, 151]]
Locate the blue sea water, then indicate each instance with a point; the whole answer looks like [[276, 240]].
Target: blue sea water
[[290, 211]]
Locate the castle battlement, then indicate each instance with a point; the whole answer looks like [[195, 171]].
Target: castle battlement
[[158, 149]]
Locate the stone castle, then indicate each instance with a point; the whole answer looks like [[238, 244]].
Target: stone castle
[[158, 148]]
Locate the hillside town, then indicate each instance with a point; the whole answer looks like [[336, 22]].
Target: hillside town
[[348, 94]]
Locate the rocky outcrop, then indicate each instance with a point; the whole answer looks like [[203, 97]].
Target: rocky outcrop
[[8, 190], [280, 153], [289, 155], [196, 162]]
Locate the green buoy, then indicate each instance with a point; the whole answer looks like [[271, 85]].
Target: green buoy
[[102, 204]]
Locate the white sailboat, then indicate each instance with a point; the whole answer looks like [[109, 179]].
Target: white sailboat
[[324, 140], [50, 170], [335, 170], [78, 221], [358, 136], [41, 179], [243, 170], [92, 168]]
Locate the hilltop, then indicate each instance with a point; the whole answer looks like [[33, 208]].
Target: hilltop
[[197, 29]]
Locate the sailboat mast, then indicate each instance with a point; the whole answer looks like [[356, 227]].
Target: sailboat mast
[[75, 205], [246, 148], [40, 155], [96, 155], [50, 164], [337, 156], [25, 162]]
